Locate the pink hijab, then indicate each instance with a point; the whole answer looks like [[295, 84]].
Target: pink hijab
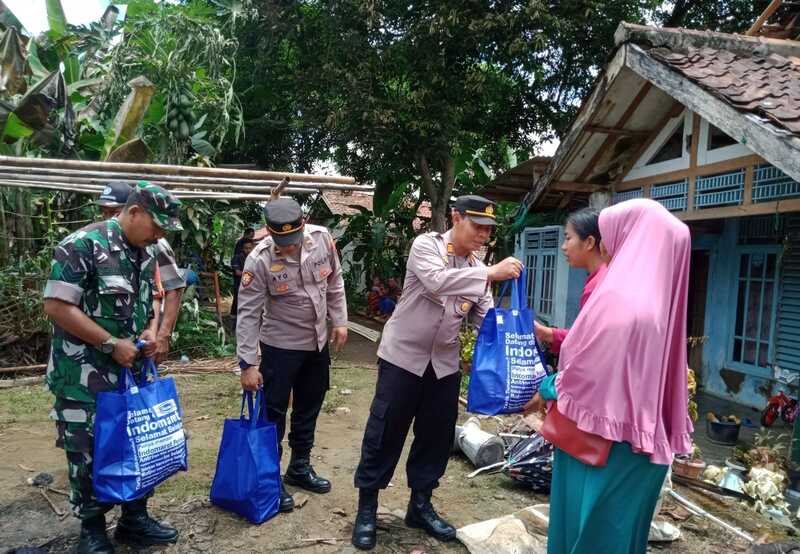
[[623, 364]]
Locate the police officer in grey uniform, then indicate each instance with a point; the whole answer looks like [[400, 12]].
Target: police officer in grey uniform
[[418, 366], [291, 285]]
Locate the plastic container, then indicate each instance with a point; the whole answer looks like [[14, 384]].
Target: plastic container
[[723, 433]]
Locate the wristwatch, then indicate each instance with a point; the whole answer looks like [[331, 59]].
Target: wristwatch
[[107, 346]]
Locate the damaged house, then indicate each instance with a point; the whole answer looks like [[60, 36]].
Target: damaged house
[[708, 124]]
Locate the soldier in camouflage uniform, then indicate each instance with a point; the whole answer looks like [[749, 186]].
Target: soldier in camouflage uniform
[[100, 298], [169, 279]]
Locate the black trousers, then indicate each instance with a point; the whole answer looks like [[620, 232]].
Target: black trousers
[[307, 373], [400, 398]]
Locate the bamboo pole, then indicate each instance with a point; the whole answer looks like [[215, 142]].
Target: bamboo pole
[[189, 194], [104, 177], [172, 170], [771, 9], [23, 369]]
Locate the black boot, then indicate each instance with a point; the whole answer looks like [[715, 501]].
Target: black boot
[[301, 474], [421, 515], [94, 539], [137, 528], [365, 527], [287, 502]]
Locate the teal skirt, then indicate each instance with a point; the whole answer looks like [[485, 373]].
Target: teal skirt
[[603, 510]]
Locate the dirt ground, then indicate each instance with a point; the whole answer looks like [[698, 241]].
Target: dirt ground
[[27, 520]]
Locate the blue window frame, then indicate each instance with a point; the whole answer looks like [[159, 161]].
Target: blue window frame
[[541, 257], [756, 292]]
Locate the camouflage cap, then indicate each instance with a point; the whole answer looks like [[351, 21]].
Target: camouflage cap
[[159, 203]]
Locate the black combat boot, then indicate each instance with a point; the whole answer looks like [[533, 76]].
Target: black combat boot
[[421, 515], [365, 528], [137, 528], [301, 474], [287, 502], [94, 539]]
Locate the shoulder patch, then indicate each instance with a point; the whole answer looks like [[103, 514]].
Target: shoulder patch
[[247, 278]]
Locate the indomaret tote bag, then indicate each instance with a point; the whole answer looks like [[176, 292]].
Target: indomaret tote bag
[[138, 437], [507, 365]]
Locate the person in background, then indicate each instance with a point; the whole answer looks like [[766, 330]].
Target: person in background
[[419, 370], [374, 296], [581, 248], [291, 286], [248, 234], [99, 296], [169, 281], [238, 268], [622, 376], [393, 289]]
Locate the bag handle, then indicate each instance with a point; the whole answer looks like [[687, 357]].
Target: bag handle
[[125, 374], [148, 366], [255, 407], [519, 290]]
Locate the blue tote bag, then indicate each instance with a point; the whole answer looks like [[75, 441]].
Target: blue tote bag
[[248, 477], [507, 365], [138, 437]]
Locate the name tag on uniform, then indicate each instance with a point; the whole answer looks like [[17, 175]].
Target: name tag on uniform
[[282, 287]]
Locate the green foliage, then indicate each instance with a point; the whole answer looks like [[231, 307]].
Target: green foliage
[[182, 49], [197, 332], [396, 91], [380, 240]]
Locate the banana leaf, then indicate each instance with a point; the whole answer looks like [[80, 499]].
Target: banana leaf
[[7, 17], [13, 64], [36, 106]]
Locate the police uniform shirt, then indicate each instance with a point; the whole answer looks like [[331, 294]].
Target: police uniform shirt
[[440, 291], [285, 303]]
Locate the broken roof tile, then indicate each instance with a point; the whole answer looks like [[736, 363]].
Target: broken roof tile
[[765, 85]]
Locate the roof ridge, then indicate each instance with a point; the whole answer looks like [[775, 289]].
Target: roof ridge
[[682, 39]]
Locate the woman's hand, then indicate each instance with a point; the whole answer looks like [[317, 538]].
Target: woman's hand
[[543, 334], [537, 404]]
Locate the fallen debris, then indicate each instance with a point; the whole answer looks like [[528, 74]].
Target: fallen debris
[[523, 532], [482, 448], [697, 510]]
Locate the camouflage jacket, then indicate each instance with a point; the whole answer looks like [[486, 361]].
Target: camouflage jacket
[[112, 281]]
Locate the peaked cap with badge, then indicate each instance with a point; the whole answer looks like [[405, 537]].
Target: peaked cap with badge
[[284, 221], [477, 208]]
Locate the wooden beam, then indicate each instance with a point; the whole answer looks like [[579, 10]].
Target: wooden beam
[[565, 200], [610, 140], [585, 115], [764, 17], [762, 208], [572, 186], [778, 149], [747, 194], [646, 144], [615, 131], [710, 169], [693, 149]]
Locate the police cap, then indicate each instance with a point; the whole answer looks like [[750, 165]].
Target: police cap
[[477, 208], [284, 221], [114, 195]]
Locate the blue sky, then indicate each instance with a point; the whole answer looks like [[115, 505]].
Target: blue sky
[[33, 14]]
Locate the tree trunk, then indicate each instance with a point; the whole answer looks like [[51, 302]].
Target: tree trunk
[[438, 190]]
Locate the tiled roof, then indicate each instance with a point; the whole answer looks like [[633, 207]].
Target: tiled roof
[[765, 85], [343, 203]]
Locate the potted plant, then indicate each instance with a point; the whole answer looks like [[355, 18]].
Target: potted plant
[[690, 466]]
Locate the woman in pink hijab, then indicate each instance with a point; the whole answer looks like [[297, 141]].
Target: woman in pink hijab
[[622, 376]]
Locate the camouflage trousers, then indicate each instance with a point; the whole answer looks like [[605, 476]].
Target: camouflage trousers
[[76, 438]]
